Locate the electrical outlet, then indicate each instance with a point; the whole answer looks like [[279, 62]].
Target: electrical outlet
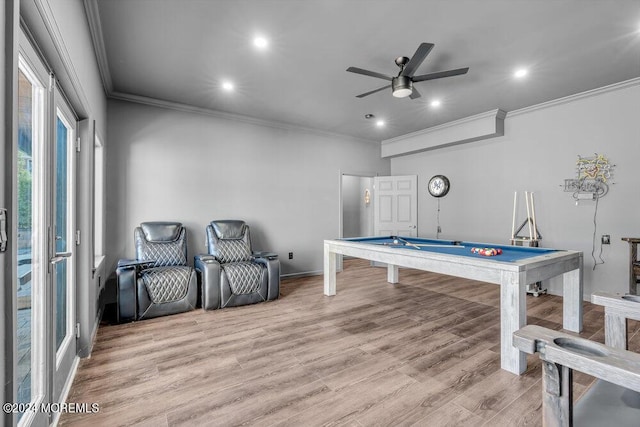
[[606, 239], [439, 229], [290, 255]]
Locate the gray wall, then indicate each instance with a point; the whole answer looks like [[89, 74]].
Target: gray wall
[[164, 164], [538, 151]]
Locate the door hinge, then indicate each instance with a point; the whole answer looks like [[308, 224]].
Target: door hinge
[[78, 144], [77, 237], [51, 81], [77, 330]]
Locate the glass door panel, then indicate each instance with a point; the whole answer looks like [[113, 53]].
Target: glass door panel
[[63, 226], [61, 231], [25, 233], [31, 262]]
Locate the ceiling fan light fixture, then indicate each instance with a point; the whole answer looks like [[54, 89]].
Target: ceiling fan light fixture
[[402, 86], [261, 42]]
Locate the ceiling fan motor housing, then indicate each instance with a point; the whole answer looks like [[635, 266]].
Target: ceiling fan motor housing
[[402, 86]]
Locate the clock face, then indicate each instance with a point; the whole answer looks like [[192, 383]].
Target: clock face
[[438, 186]]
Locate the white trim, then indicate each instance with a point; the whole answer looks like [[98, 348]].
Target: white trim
[[43, 8], [98, 261], [95, 28], [302, 274], [469, 129], [575, 97], [230, 116], [66, 389], [489, 114]]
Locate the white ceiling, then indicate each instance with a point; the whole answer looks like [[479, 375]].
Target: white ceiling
[[179, 51]]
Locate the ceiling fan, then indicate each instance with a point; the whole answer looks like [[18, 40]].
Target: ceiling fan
[[402, 84]]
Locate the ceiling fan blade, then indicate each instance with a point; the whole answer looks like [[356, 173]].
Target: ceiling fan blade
[[440, 74], [362, 95], [368, 73], [417, 58], [414, 93]]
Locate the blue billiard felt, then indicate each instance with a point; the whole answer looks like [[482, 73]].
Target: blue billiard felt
[[509, 253]]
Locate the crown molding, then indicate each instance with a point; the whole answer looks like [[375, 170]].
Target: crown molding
[[154, 102], [575, 97], [56, 52], [97, 37]]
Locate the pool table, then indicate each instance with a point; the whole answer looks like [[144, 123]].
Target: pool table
[[513, 270]]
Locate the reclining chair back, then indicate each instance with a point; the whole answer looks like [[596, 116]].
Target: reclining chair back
[[229, 241], [163, 242]]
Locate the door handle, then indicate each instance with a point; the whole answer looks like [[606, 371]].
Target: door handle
[[413, 226], [59, 257], [3, 230]]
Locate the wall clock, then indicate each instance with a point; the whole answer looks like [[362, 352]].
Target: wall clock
[[438, 185]]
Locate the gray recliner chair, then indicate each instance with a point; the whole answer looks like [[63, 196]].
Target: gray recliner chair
[[159, 281], [231, 274]]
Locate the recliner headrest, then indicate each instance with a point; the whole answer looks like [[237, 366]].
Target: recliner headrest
[[229, 228], [159, 231]]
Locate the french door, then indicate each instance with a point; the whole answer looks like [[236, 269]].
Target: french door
[[62, 245], [45, 270]]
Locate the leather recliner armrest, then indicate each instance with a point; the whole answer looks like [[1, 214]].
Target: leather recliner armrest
[[273, 270], [208, 272], [127, 304]]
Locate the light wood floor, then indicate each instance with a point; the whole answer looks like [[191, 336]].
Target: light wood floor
[[423, 352]]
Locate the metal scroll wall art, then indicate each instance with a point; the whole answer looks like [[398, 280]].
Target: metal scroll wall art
[[593, 176]]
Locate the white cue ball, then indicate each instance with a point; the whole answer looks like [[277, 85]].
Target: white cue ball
[[395, 242]]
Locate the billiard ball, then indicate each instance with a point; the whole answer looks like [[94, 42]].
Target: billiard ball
[[395, 242]]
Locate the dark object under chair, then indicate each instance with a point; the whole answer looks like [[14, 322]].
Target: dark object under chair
[[231, 274], [159, 281]]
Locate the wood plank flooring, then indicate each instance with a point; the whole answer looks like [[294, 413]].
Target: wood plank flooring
[[424, 352]]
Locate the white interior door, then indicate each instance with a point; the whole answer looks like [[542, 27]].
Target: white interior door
[[396, 205]]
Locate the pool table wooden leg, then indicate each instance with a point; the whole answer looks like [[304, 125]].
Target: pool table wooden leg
[[572, 299], [392, 273], [615, 329], [513, 316], [329, 272]]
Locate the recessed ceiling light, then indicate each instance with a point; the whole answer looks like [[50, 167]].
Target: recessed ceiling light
[[369, 116], [380, 123], [260, 42], [227, 85], [435, 103], [520, 73]]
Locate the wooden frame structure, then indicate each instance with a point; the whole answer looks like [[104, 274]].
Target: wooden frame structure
[[561, 354], [634, 264]]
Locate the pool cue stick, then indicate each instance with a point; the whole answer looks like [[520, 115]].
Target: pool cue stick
[[407, 243], [513, 224], [429, 245], [526, 196], [533, 213]]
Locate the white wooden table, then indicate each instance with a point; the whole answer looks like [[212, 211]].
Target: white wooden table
[[513, 278]]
